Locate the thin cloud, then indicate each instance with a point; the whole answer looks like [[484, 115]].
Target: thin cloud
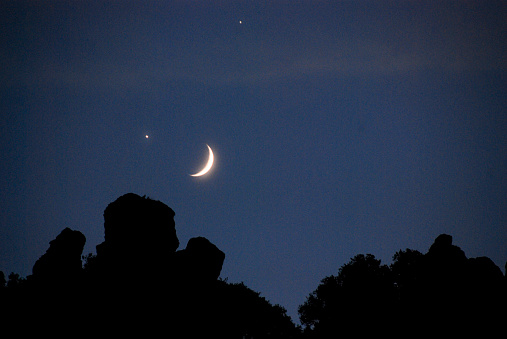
[[397, 41]]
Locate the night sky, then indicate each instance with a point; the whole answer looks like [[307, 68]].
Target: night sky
[[338, 128]]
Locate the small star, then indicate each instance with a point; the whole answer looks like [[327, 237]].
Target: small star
[[240, 22], [147, 136]]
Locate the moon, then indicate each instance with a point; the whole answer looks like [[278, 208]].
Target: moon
[[208, 165]]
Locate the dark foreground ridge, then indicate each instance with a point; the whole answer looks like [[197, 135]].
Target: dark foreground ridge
[[139, 284]]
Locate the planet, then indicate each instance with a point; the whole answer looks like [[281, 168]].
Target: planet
[[208, 165]]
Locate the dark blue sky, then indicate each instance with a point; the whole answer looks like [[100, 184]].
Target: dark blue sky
[[339, 128]]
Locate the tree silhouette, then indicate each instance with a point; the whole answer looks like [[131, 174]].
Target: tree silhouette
[[355, 300], [249, 315], [406, 273], [441, 291], [15, 281]]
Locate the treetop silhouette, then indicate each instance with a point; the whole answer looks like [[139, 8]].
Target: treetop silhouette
[[436, 291]]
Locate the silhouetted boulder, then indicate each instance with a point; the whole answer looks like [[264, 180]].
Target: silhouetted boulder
[[484, 282], [134, 219], [140, 236], [443, 251], [61, 263], [139, 233], [200, 262], [454, 289], [445, 270], [484, 269]]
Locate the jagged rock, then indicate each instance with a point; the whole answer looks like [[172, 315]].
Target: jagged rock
[[140, 220], [139, 233], [443, 250], [62, 261], [140, 236], [484, 269], [138, 285], [446, 262], [199, 262], [484, 281], [458, 287]]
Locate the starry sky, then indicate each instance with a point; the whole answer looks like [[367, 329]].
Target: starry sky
[[338, 128]]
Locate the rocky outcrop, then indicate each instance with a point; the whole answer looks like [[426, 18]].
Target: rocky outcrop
[[139, 285], [140, 237], [147, 223], [200, 262], [139, 234], [444, 252], [456, 287], [61, 264]]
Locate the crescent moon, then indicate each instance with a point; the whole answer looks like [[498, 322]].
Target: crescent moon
[[208, 165]]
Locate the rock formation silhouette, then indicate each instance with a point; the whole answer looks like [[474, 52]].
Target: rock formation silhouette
[[60, 266], [137, 284], [441, 291], [140, 233], [200, 262], [457, 290]]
